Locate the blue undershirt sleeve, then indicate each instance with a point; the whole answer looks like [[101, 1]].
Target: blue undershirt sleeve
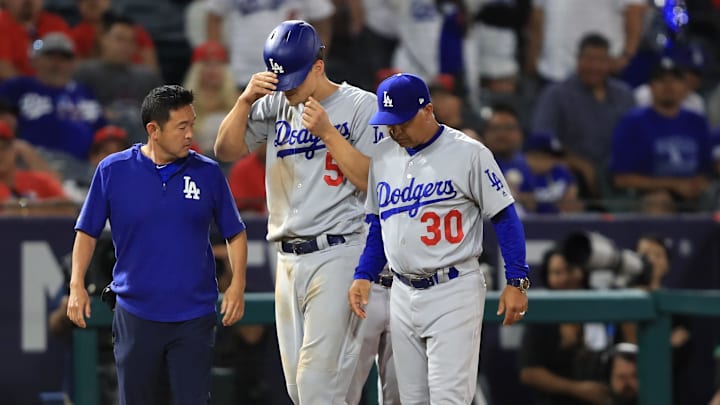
[[373, 257], [511, 238]]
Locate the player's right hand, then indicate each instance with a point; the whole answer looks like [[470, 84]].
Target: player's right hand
[[78, 306], [358, 296], [261, 84]]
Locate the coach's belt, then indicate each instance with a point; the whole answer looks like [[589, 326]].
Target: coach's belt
[[385, 281], [421, 283], [309, 246]]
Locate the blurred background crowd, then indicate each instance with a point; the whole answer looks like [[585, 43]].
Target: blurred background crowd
[[589, 106]]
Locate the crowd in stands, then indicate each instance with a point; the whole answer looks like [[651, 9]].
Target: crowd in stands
[[589, 106]]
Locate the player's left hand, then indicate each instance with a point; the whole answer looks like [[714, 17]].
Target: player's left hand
[[514, 303], [358, 296], [316, 120], [233, 304]]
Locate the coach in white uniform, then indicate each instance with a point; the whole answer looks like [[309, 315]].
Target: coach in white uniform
[[427, 194]]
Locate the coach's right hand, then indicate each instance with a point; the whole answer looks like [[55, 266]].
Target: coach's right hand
[[261, 84], [78, 305], [358, 296]]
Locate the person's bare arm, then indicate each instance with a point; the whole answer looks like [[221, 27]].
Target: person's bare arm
[[149, 58], [230, 143], [570, 201], [633, 31], [534, 39], [32, 159], [7, 70], [586, 170], [233, 303], [716, 398], [214, 27], [543, 380], [79, 302], [357, 16], [686, 187], [634, 15]]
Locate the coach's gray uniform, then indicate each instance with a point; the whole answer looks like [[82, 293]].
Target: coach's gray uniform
[[309, 198], [431, 205]]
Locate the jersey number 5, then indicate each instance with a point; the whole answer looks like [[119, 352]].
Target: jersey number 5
[[451, 224], [332, 166]]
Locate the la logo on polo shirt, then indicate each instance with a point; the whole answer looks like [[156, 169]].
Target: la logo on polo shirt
[[192, 192]]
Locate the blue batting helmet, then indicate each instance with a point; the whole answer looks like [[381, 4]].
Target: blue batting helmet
[[290, 51]]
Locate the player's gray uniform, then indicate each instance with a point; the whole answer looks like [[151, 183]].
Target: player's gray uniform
[[376, 341], [309, 198], [430, 206]]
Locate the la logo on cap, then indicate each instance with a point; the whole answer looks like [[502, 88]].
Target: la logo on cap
[[387, 101], [276, 67]]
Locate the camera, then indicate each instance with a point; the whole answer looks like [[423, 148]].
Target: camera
[[594, 252]]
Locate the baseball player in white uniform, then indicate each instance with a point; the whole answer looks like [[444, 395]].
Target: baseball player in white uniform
[[318, 139], [428, 190]]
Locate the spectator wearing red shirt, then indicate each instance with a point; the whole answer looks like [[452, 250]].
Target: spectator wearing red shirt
[[23, 187], [21, 23], [247, 182], [86, 34]]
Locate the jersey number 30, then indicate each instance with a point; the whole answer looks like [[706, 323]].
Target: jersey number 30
[[451, 224], [332, 166]]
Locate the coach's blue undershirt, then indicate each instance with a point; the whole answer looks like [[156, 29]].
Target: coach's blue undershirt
[[372, 260], [167, 171], [413, 151], [511, 238]]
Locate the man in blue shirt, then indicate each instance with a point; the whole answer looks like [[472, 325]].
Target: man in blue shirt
[[161, 199], [55, 112], [663, 148]]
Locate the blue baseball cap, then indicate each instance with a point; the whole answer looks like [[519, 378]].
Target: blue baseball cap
[[290, 51], [400, 97], [544, 142]]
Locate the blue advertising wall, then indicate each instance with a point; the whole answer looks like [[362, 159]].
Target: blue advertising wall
[[31, 279]]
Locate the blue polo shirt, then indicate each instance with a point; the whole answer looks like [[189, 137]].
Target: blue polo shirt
[[165, 269]]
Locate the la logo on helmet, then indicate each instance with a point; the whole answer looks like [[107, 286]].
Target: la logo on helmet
[[387, 101], [275, 67]]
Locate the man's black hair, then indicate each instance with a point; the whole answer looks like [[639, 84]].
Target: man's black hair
[[593, 40], [161, 100], [110, 18], [504, 108]]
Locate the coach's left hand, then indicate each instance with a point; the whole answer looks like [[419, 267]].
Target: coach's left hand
[[514, 303], [316, 120], [233, 304]]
